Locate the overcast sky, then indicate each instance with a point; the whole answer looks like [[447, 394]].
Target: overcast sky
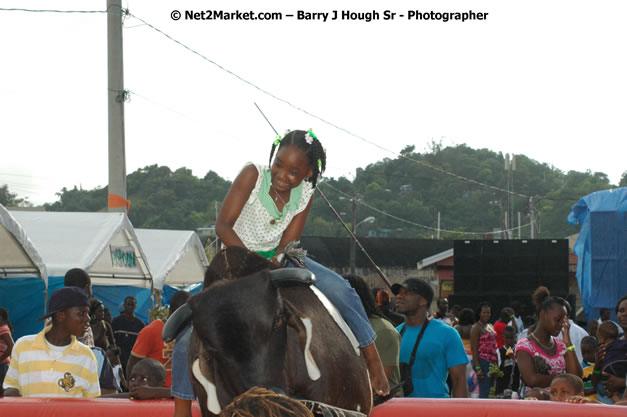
[[540, 78]]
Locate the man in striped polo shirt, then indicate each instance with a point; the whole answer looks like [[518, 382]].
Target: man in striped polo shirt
[[53, 363]]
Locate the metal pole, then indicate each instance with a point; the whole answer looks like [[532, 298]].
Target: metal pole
[[532, 217], [352, 243], [438, 225], [519, 225], [117, 160], [214, 228], [512, 168]]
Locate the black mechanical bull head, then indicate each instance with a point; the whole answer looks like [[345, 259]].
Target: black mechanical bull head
[[240, 336]]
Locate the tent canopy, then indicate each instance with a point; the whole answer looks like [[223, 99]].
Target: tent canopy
[[103, 244], [22, 275], [177, 257], [18, 256]]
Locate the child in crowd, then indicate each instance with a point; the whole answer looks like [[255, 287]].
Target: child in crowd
[[507, 315], [113, 353], [53, 363], [588, 349], [6, 345], [565, 386], [593, 326], [615, 362], [507, 363], [537, 394], [146, 382]]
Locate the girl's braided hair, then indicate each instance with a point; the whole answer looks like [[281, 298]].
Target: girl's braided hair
[[314, 151]]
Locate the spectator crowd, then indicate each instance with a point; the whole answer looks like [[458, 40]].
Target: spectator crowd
[[536, 353]]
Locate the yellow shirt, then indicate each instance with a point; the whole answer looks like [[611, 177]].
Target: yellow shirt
[[40, 369]]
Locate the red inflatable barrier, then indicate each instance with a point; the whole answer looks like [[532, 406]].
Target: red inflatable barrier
[[398, 407], [419, 407], [96, 407]]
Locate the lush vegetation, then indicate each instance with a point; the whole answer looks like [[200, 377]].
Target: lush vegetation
[[408, 188], [7, 198], [160, 198]]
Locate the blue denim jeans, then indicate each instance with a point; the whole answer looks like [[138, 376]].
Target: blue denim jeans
[[485, 384], [344, 297], [181, 380]]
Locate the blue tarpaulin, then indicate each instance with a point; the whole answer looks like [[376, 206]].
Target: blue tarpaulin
[[113, 298], [169, 290], [601, 249]]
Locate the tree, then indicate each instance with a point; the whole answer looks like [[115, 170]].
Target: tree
[[406, 192], [9, 199]]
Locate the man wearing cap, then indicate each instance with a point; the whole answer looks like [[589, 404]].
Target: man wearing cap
[[53, 363], [440, 351]]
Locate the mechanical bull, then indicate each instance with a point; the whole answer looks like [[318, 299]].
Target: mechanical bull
[[269, 329]]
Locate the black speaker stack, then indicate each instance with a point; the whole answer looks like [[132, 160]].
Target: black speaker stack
[[501, 271]]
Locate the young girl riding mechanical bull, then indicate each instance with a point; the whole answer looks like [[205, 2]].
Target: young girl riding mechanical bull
[[266, 209]]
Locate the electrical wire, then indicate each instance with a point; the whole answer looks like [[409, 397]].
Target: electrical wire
[[443, 171], [17, 9], [425, 164], [363, 203]]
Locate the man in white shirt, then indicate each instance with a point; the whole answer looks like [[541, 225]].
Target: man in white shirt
[[517, 316], [576, 332]]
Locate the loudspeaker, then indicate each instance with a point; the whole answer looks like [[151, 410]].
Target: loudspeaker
[[515, 267]]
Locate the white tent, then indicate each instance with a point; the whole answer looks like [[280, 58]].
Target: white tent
[[22, 275], [18, 256], [177, 257], [103, 244]]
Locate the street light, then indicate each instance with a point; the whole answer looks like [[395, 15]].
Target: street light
[[369, 219]]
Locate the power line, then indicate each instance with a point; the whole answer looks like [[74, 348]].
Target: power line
[[156, 103], [460, 177], [127, 13], [363, 203], [17, 9], [425, 164]]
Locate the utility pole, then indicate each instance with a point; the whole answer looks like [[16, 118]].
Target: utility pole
[[214, 228], [532, 217], [519, 225], [117, 159], [438, 225], [510, 167], [353, 228]]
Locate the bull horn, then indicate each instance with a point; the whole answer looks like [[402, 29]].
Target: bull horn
[[290, 277], [176, 323]]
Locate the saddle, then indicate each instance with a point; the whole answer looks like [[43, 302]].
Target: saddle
[[234, 262]]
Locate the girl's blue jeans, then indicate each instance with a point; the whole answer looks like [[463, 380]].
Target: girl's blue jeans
[[344, 297]]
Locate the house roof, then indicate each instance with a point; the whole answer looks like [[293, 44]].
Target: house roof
[[435, 258]]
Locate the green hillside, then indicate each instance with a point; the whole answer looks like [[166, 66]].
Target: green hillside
[[404, 194]]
